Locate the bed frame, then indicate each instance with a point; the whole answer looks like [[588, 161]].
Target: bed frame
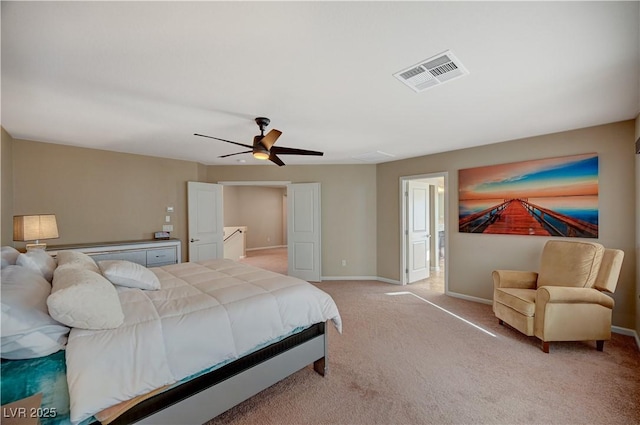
[[203, 398]]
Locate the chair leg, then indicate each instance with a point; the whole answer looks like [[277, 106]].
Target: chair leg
[[500, 322], [545, 346], [600, 345]]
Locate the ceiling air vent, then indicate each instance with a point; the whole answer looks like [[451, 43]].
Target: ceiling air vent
[[431, 72]]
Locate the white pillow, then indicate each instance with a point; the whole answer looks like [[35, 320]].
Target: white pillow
[[127, 273], [84, 299], [27, 329], [76, 260], [39, 261], [9, 256]]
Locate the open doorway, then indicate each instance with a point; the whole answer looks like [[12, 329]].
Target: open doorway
[[303, 218], [423, 231], [255, 225]]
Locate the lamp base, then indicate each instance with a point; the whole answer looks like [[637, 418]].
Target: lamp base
[[32, 246]]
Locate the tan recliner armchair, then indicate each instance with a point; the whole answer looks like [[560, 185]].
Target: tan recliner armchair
[[564, 301]]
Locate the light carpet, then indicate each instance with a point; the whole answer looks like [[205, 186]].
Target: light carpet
[[406, 359]]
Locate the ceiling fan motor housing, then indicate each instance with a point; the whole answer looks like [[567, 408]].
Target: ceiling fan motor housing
[[262, 122], [257, 146], [256, 142]]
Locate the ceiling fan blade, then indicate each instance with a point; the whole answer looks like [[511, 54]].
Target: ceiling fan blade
[[281, 150], [237, 153], [270, 138], [274, 158], [223, 140]]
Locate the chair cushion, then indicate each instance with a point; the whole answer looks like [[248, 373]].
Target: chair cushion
[[570, 263], [521, 300], [609, 272]]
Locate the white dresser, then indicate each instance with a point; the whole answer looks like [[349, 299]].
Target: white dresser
[[149, 253]]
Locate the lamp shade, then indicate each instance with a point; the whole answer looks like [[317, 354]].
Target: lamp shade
[[34, 227]]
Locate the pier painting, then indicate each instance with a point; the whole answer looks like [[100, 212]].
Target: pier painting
[[546, 197]]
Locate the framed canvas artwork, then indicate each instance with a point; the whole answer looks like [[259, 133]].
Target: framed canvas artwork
[[545, 197]]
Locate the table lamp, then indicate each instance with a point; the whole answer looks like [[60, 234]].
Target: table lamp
[[35, 228]]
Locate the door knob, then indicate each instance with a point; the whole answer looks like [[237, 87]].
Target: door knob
[[194, 240]]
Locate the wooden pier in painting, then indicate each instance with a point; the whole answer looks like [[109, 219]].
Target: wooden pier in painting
[[519, 217], [515, 219]]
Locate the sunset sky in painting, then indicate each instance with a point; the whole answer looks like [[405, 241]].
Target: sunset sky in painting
[[566, 176]]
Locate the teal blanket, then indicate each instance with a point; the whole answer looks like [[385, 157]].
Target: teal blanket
[[46, 375]]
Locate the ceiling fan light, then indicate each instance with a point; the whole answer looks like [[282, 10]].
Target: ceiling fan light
[[261, 155]]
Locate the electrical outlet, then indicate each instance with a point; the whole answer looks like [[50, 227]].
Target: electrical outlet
[[344, 263], [167, 228]]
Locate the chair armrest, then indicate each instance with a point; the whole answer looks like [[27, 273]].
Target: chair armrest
[[514, 279], [570, 295]]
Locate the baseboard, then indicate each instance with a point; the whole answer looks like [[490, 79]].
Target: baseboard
[[385, 280], [266, 247], [468, 297], [627, 332], [381, 279]]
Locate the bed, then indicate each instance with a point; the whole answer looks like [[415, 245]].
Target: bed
[[212, 335]]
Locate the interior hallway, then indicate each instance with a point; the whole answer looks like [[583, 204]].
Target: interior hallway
[[273, 259]]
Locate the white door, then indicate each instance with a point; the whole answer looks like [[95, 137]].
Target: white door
[[418, 232], [303, 234], [206, 228]]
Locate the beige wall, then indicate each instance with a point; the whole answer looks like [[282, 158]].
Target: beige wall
[[258, 208], [6, 157], [637, 137], [101, 196], [348, 197], [471, 257]]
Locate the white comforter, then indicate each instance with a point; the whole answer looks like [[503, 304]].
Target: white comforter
[[203, 314]]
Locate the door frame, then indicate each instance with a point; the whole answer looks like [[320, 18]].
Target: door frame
[[404, 225]]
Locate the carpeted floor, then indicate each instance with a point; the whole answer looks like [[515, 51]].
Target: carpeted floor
[[404, 358]]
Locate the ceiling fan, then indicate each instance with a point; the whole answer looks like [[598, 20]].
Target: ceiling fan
[[263, 145]]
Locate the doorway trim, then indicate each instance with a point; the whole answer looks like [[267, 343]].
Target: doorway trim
[[276, 183], [403, 224]]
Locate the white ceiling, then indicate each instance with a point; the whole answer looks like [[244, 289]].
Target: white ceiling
[[142, 77]]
